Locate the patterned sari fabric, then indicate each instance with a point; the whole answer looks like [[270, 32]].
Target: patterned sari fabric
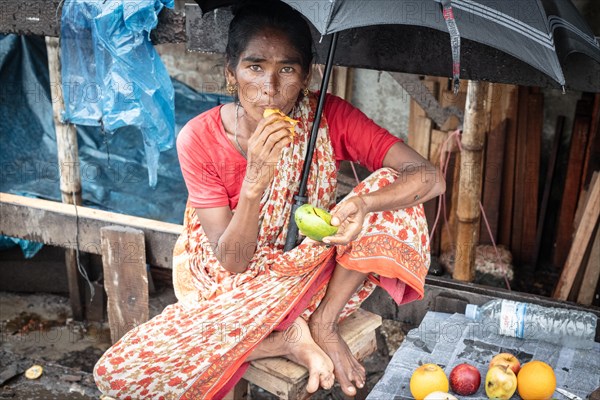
[[196, 346]]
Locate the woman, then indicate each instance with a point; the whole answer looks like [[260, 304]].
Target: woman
[[240, 296]]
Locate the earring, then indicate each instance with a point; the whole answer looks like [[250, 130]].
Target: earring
[[305, 92], [232, 88]]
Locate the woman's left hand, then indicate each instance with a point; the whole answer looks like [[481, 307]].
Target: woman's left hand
[[348, 216]]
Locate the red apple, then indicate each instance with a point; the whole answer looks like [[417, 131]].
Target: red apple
[[506, 359], [465, 379]]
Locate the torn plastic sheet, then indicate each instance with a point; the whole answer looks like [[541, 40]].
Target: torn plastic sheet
[[113, 172], [112, 76]]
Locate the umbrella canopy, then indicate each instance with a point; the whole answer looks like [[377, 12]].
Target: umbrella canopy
[[528, 42], [497, 33]]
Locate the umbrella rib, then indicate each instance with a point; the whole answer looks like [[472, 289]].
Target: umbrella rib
[[507, 21], [558, 22]]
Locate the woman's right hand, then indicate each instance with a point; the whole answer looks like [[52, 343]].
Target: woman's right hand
[[272, 134]]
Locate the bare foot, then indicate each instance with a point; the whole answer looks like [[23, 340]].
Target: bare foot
[[303, 350], [346, 368]]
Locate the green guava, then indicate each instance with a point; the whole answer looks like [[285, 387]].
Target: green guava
[[314, 222]]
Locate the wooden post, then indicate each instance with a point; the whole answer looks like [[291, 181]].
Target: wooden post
[[591, 274], [125, 278], [240, 391], [469, 191], [583, 237], [68, 164], [508, 170]]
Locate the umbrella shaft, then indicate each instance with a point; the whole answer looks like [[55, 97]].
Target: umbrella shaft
[[292, 233], [315, 127]]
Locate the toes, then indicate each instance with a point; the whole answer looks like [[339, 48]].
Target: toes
[[357, 378], [349, 390], [347, 386], [327, 381], [313, 383], [360, 373]]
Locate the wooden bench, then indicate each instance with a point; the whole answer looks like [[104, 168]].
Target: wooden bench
[[288, 380]]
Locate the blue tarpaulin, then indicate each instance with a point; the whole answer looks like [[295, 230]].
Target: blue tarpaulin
[[113, 167], [111, 74]]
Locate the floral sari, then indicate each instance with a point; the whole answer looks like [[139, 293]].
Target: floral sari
[[196, 348]]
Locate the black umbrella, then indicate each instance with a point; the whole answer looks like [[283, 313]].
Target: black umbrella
[[523, 42], [510, 41]]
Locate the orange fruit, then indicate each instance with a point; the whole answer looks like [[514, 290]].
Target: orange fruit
[[536, 381], [428, 378]]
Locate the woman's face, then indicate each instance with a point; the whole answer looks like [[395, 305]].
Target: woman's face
[[269, 74]]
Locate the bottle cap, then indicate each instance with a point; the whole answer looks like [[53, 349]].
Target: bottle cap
[[471, 311]]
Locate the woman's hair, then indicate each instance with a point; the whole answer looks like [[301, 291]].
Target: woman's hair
[[251, 17]]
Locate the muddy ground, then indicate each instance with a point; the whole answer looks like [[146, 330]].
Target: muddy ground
[[38, 329]]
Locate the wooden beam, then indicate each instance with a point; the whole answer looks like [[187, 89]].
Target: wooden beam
[[421, 136], [42, 18], [572, 185], [125, 278], [55, 224], [583, 236], [241, 391], [508, 171], [592, 273], [551, 170], [592, 153], [492, 184], [469, 194], [431, 207], [535, 122], [519, 178]]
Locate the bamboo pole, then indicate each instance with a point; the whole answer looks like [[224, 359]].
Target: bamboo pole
[[68, 163], [469, 191]]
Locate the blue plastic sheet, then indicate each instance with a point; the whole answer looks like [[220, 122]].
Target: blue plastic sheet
[[111, 74], [113, 168], [28, 247]]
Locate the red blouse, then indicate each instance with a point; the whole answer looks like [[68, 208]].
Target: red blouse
[[213, 169]]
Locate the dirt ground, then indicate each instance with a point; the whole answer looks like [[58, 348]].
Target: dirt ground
[[36, 329]]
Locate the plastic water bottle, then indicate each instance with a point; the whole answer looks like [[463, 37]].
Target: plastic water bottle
[[570, 328]]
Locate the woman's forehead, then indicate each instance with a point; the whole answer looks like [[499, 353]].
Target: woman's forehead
[[271, 45]]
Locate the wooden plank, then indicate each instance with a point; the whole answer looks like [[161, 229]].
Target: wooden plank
[[494, 160], [55, 224], [592, 272], [287, 379], [469, 194], [427, 99], [550, 172], [592, 153], [511, 97], [448, 230], [416, 111], [535, 122], [581, 204], [340, 82], [421, 137], [240, 391], [431, 207], [519, 186], [492, 182], [125, 278], [570, 194], [583, 236]]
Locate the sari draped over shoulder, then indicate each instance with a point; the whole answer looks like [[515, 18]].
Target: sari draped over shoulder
[[197, 347]]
